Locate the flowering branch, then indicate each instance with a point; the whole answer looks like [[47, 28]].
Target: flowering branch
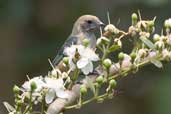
[[66, 86]]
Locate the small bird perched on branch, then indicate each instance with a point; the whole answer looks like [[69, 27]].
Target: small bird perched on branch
[[83, 28]]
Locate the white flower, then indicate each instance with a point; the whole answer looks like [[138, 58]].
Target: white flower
[[84, 62], [55, 88], [70, 52], [38, 81]]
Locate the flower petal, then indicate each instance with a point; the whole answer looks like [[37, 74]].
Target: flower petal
[[88, 68], [50, 95], [82, 63], [70, 51], [91, 55], [62, 94], [39, 83]]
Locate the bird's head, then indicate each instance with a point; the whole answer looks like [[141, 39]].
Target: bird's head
[[87, 23]]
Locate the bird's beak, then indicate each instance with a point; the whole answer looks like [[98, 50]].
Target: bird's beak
[[101, 24]]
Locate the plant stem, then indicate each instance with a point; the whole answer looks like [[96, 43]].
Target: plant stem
[[87, 101], [43, 106], [30, 103]]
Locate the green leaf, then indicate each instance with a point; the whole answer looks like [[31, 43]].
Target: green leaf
[[90, 84], [114, 48], [157, 63], [148, 43]]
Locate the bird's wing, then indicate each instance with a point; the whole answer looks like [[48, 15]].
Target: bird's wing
[[71, 40]]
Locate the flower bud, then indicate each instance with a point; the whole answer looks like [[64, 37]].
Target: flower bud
[[152, 54], [111, 28], [150, 24], [16, 89], [142, 52], [133, 56], [167, 23], [99, 79], [118, 42], [163, 38], [65, 60], [54, 72], [105, 40], [121, 56], [33, 86], [166, 54], [134, 18], [107, 63], [112, 83], [156, 37], [83, 89], [115, 68], [86, 42]]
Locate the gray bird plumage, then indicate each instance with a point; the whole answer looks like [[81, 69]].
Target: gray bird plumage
[[83, 28]]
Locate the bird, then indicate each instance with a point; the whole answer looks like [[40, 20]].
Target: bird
[[84, 27]]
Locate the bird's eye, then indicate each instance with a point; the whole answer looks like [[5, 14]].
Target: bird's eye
[[89, 21]]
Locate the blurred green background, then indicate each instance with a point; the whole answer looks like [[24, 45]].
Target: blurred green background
[[31, 31]]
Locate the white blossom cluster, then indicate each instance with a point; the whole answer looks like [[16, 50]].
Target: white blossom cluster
[[53, 87], [81, 57]]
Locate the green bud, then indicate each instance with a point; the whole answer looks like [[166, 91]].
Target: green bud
[[150, 23], [83, 89], [16, 89], [121, 56], [107, 63], [65, 60], [99, 79], [86, 42], [134, 18], [133, 55], [112, 83], [33, 86]]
